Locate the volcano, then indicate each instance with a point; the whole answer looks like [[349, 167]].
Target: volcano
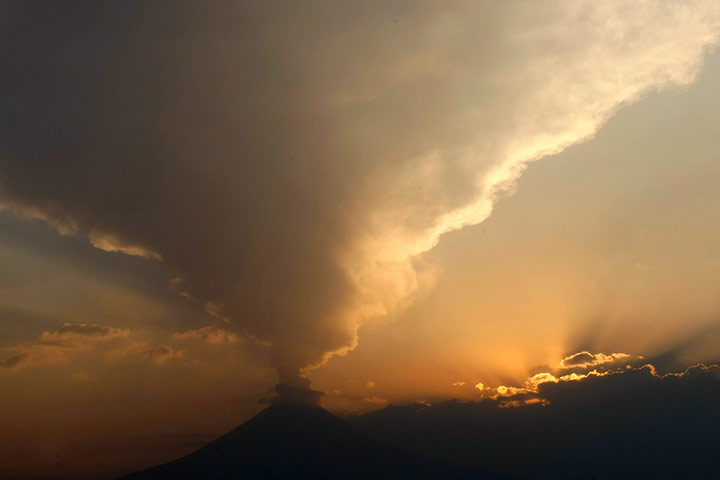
[[302, 441]]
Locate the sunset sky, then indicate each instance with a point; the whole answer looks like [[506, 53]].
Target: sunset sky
[[404, 202]]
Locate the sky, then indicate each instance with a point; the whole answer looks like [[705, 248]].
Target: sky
[[208, 208]]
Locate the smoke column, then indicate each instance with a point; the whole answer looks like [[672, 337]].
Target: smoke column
[[291, 163]]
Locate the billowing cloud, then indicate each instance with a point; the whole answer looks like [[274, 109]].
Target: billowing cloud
[[292, 168], [583, 360]]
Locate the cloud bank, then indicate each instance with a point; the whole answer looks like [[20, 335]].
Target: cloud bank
[[626, 423], [291, 163]]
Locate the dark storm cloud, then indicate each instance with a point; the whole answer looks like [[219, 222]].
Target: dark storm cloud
[[629, 424], [289, 161]]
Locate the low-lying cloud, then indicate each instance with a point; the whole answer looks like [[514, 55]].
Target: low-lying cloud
[[78, 342], [626, 423]]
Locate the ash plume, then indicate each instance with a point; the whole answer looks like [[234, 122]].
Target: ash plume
[[293, 162]]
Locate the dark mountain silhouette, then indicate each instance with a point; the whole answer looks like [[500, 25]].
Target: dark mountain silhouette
[[303, 441], [634, 425]]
